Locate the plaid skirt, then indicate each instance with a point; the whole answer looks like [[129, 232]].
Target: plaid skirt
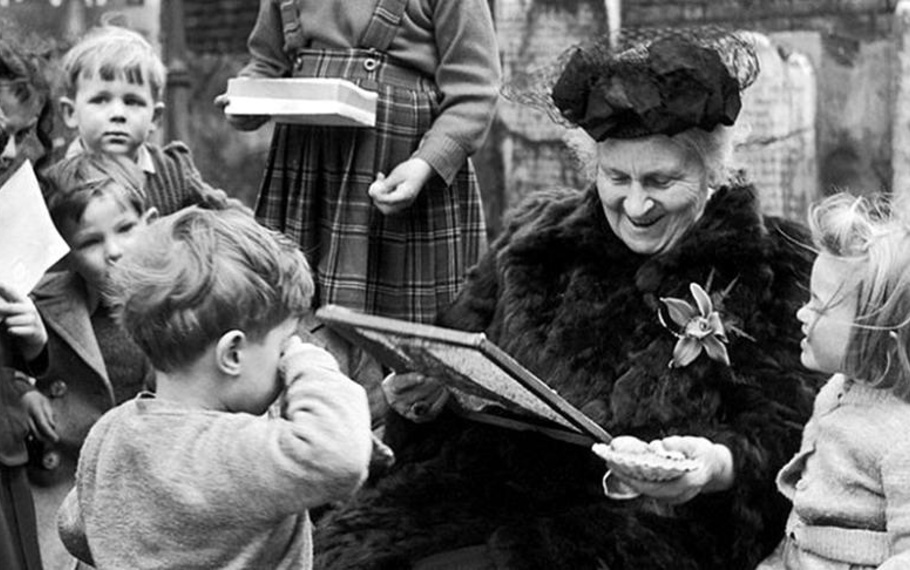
[[407, 265]]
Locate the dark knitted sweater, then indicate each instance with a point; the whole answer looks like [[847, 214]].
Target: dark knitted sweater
[[176, 182], [564, 296]]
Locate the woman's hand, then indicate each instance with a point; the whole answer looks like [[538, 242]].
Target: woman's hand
[[714, 471], [415, 396], [398, 190], [240, 122], [21, 319], [40, 416]]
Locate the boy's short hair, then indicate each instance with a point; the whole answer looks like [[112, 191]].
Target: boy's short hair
[[197, 274], [874, 232], [114, 52], [72, 183]]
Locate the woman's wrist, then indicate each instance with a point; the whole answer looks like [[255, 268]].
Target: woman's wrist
[[721, 468]]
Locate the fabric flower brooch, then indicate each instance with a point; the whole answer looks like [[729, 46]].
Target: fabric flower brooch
[[698, 328]]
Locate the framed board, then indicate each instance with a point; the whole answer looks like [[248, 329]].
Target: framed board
[[488, 384]]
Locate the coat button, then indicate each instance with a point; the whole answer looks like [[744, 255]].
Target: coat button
[[58, 389], [50, 460], [370, 64]]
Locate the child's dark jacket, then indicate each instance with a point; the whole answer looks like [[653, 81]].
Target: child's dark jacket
[[564, 296]]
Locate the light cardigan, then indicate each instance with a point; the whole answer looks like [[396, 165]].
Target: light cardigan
[[163, 485], [451, 41], [850, 482]]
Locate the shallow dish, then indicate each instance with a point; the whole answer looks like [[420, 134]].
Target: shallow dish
[[650, 465]]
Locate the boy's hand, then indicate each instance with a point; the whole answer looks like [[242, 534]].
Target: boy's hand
[[398, 190], [21, 319], [240, 122], [40, 416], [302, 358]]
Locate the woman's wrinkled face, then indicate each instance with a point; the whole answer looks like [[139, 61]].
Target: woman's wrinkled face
[[652, 190]]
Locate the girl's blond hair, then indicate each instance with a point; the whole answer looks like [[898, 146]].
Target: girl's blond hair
[[874, 231]]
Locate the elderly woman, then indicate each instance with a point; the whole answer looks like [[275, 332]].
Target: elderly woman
[[660, 302]]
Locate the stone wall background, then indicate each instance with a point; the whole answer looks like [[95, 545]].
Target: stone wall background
[[846, 56], [820, 117]]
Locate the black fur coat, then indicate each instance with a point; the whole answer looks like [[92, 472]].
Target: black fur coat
[[562, 294]]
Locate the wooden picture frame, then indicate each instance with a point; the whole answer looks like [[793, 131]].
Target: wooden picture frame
[[488, 384]]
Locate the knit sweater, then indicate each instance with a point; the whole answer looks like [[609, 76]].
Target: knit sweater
[[451, 41], [852, 473], [172, 180], [164, 485]]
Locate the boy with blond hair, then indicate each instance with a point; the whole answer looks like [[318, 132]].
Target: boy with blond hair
[[195, 476], [113, 84]]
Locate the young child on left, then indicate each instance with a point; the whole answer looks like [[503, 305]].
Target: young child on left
[[196, 476], [98, 207], [850, 481], [113, 83], [24, 100]]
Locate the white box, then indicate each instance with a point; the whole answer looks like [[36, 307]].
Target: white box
[[312, 101]]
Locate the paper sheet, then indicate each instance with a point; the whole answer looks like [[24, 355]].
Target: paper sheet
[[29, 242]]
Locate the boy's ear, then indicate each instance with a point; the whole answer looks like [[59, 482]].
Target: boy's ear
[[150, 215], [68, 112], [228, 352], [158, 113]]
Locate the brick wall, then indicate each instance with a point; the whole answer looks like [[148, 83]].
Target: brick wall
[[764, 15], [219, 26]]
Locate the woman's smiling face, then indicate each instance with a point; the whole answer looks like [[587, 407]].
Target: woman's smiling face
[[653, 190]]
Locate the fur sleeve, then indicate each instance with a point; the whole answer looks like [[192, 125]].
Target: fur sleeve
[[475, 305]]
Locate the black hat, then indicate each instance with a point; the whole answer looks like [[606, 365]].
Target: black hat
[[644, 81]]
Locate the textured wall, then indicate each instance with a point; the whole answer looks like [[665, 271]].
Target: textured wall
[[849, 44], [848, 47]]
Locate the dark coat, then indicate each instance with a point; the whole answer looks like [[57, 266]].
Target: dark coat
[[80, 391], [563, 295]]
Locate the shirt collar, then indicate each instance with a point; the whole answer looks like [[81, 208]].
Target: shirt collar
[[143, 157]]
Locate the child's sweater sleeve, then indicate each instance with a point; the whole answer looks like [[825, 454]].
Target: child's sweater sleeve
[[469, 77], [198, 192], [266, 44], [895, 473], [71, 528], [317, 452]]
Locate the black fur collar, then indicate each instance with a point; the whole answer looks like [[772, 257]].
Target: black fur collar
[[569, 226]]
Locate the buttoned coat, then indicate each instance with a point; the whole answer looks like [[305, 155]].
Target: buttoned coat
[[80, 391]]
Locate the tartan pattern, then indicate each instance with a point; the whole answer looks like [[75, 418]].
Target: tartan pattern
[[407, 265]]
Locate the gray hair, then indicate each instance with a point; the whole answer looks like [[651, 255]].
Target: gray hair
[[714, 150]]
